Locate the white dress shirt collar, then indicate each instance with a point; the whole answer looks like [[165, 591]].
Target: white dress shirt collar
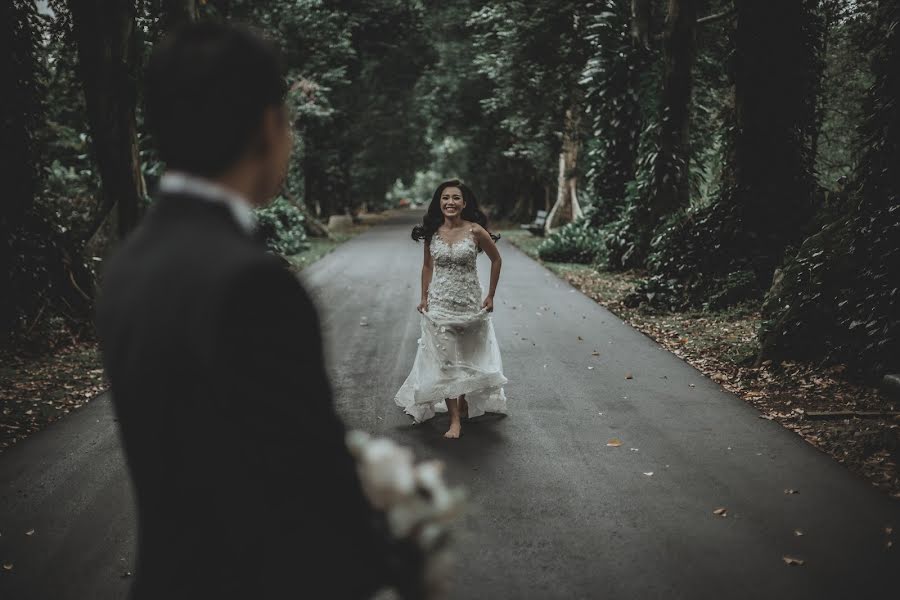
[[174, 182]]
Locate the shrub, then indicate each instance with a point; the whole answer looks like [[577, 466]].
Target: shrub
[[281, 225], [578, 242]]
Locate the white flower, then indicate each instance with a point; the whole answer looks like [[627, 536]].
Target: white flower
[[415, 499]]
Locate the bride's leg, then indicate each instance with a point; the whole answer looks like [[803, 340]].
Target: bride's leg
[[455, 425], [463, 407]]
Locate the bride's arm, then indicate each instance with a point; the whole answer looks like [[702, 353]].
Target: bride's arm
[[486, 243], [427, 268]]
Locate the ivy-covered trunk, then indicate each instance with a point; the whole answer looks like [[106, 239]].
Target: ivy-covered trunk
[[614, 81], [108, 51], [839, 298], [669, 187]]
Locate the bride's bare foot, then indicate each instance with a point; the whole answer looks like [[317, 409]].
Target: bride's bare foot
[[454, 432], [453, 407]]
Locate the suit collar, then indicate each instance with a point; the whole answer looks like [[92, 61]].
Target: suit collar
[[182, 184]]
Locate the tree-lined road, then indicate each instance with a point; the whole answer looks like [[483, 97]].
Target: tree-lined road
[[553, 511]]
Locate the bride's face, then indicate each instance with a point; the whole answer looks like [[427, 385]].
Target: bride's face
[[452, 203]]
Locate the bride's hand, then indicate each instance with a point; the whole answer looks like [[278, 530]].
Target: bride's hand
[[423, 306], [488, 304]]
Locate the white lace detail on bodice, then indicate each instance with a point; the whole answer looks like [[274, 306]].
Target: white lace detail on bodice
[[454, 288]]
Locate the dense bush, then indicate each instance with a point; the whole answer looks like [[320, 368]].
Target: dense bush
[[578, 242], [281, 224]]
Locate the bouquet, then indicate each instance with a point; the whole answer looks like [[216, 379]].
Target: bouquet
[[416, 501]]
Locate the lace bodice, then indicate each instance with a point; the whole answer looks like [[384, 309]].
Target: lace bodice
[[454, 285]]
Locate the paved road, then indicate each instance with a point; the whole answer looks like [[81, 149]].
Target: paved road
[[553, 511]]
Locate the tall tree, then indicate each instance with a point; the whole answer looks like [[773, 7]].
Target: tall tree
[[668, 187], [108, 57], [21, 106], [617, 95], [671, 169]]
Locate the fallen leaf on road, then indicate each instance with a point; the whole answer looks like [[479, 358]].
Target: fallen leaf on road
[[614, 443], [629, 376], [721, 512], [580, 339], [29, 532], [7, 567], [649, 473], [692, 385], [634, 449], [595, 353], [790, 491], [798, 532], [792, 561]]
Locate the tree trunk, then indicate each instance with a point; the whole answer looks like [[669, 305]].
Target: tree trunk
[[175, 12], [775, 119], [640, 23], [21, 105], [566, 208], [108, 52], [672, 166]]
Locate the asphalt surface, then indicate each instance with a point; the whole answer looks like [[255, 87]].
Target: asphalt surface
[[553, 512]]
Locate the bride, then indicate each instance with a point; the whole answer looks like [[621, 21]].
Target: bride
[[457, 366]]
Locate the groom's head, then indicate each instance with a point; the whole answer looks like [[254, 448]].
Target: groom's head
[[215, 107]]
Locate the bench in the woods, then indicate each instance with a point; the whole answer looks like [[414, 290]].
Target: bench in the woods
[[537, 226]]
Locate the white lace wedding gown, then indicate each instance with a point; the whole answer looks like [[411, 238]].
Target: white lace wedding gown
[[458, 352]]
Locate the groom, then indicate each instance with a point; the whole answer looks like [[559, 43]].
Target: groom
[[244, 486]]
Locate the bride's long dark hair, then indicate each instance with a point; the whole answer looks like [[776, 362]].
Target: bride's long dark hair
[[434, 218]]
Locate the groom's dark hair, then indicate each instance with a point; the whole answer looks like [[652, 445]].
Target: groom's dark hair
[[207, 88]]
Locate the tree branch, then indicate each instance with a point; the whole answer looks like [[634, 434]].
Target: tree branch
[[717, 17]]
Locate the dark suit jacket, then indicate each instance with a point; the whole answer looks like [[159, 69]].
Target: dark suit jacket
[[244, 486]]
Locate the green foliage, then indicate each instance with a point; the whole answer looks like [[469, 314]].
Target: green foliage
[[281, 224], [576, 242]]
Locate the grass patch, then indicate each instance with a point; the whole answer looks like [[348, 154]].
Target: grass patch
[[318, 247]]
